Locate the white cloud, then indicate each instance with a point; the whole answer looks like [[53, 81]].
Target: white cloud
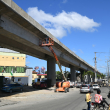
[[64, 1], [80, 50], [61, 23], [93, 45]]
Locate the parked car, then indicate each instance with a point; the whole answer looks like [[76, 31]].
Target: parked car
[[72, 84], [40, 84], [12, 87], [86, 88], [96, 86], [78, 84]]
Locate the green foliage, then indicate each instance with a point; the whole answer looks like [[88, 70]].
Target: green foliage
[[45, 72], [98, 76], [59, 75], [102, 75], [88, 73]]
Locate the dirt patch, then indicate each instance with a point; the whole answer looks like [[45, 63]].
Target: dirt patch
[[27, 92]]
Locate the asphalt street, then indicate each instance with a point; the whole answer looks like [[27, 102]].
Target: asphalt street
[[67, 101]]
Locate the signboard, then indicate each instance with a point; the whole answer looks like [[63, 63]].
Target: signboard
[[40, 70]]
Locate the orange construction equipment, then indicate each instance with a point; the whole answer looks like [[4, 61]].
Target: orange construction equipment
[[60, 86]]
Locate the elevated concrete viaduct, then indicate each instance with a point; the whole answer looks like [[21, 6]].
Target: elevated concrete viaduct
[[20, 32]]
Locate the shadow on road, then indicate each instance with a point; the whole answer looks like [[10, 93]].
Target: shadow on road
[[84, 109], [25, 89]]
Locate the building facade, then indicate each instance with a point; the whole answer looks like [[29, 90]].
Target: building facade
[[13, 63]]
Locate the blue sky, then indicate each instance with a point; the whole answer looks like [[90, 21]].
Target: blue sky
[[81, 25]]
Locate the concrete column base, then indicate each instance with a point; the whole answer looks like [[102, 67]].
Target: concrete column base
[[51, 72]]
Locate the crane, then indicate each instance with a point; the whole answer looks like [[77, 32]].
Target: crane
[[63, 86]]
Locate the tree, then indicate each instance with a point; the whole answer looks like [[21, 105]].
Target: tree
[[102, 76], [98, 76], [59, 75], [45, 72]]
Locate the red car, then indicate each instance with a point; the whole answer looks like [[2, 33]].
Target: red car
[[40, 85]]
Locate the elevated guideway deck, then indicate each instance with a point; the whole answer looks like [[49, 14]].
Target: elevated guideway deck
[[20, 32]]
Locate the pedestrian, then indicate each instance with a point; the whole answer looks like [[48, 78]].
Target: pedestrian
[[88, 100]]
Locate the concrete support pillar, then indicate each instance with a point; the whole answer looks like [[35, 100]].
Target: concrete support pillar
[[93, 78], [51, 71], [88, 79], [82, 79], [73, 73]]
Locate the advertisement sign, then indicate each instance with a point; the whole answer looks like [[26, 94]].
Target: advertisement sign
[[40, 70]]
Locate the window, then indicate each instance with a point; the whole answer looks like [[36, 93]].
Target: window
[[17, 57], [8, 69], [20, 69], [2, 57], [84, 85], [12, 57], [1, 69]]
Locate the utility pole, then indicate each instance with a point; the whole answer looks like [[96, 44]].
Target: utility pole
[[108, 69], [95, 67]]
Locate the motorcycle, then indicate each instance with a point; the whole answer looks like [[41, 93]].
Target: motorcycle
[[99, 106]]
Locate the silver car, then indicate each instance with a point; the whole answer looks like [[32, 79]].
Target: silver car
[[86, 88], [78, 84]]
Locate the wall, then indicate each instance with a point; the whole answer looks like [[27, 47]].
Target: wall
[[29, 74], [34, 76], [16, 59], [21, 80]]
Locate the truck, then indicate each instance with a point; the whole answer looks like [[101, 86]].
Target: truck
[[104, 82]]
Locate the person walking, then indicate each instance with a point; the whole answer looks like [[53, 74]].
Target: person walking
[[88, 99]]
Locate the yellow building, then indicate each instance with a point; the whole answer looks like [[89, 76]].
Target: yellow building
[[12, 59], [35, 75], [12, 62]]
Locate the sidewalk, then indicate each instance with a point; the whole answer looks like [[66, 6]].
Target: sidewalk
[[5, 102], [31, 95]]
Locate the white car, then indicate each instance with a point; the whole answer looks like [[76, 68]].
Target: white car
[[78, 84], [71, 84], [96, 86]]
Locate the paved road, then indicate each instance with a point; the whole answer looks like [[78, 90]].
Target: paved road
[[58, 101]]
